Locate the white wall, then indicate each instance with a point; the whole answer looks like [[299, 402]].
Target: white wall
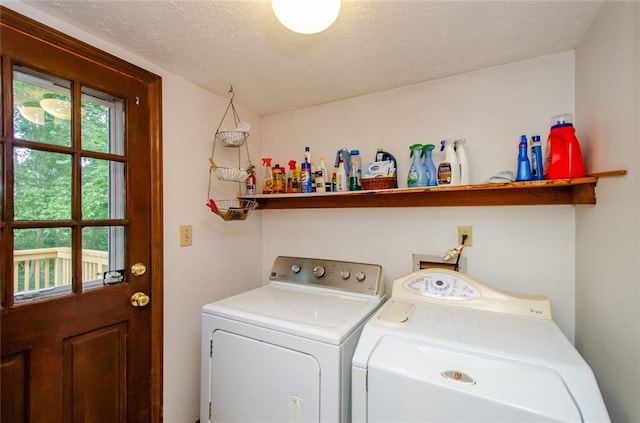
[[608, 235], [523, 249], [226, 256]]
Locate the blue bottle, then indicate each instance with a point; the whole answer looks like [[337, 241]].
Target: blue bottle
[[307, 186], [429, 166], [417, 176], [524, 167], [537, 171]]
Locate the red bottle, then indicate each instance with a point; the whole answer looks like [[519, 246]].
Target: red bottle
[[563, 158]]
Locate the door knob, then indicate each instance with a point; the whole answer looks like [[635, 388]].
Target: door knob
[[139, 299], [138, 269]]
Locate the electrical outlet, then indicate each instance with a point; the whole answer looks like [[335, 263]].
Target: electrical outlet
[[468, 231], [186, 236]]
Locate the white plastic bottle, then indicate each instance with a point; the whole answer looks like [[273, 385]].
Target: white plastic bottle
[[342, 181], [326, 176], [463, 161], [449, 168]]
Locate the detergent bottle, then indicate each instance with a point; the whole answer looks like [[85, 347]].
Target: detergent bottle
[[463, 161], [536, 158], [278, 179], [342, 182], [563, 155], [417, 176], [449, 168], [429, 166]]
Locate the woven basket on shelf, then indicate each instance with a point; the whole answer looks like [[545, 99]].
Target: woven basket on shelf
[[384, 182], [235, 209]]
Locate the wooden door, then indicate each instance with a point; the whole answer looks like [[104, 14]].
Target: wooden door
[[81, 318]]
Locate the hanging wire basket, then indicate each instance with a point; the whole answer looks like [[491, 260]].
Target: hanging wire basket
[[236, 209], [232, 138], [229, 174]]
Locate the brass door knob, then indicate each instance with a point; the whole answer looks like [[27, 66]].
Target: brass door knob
[[138, 269], [140, 299]]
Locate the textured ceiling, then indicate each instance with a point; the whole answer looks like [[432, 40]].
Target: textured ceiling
[[374, 45]]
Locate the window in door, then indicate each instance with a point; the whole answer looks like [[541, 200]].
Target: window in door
[[68, 189]]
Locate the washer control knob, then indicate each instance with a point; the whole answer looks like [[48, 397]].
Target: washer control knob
[[296, 268], [345, 274], [319, 271], [360, 276]]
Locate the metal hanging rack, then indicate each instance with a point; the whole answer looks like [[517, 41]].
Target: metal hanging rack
[[235, 209]]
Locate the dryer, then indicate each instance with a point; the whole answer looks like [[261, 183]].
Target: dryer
[[282, 352], [446, 348]]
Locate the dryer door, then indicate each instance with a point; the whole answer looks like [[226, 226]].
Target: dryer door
[[254, 381]]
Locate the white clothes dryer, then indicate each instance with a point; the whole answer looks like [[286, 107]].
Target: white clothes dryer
[[446, 348], [282, 352]]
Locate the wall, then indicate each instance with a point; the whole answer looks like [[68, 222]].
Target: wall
[[225, 257], [523, 249], [608, 235]]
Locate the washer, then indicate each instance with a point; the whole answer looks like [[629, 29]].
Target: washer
[[446, 348], [282, 352]]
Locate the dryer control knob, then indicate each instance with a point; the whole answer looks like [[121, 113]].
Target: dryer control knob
[[296, 268], [360, 276], [319, 271]]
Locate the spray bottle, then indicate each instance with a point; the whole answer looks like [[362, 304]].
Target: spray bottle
[[290, 176], [524, 167], [449, 168], [267, 182], [429, 167], [417, 176], [463, 161]]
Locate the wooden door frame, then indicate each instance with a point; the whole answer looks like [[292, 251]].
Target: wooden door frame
[[12, 19]]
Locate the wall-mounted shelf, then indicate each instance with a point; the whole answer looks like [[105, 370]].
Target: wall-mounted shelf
[[547, 192]]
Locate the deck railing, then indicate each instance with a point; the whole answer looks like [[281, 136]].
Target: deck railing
[[50, 267]]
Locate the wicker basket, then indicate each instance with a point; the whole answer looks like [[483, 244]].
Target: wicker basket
[[233, 209], [232, 138], [384, 182]]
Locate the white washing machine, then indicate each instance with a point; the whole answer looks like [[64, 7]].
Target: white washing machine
[[446, 348], [282, 352]]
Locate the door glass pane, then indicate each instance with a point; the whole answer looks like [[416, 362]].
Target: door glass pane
[[102, 122], [102, 251], [41, 263], [42, 189], [41, 107], [103, 193]]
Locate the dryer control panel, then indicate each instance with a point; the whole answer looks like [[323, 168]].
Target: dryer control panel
[[354, 278], [445, 286]]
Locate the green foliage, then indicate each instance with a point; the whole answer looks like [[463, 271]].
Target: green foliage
[[43, 180]]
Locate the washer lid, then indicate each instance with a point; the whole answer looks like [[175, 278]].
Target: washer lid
[[521, 342], [311, 314], [432, 383]]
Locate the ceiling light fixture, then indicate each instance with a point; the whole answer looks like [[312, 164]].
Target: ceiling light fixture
[[306, 16], [32, 113], [56, 107]]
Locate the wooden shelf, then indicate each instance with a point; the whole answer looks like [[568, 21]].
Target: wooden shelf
[[547, 192]]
